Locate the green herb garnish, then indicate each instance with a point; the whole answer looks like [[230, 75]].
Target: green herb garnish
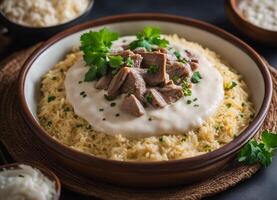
[[51, 98], [115, 61], [189, 101], [108, 98], [152, 69], [179, 57], [113, 104], [230, 85], [95, 46], [196, 76], [259, 151], [149, 38], [229, 105], [177, 54], [161, 139], [129, 62], [176, 78], [149, 98], [186, 87]]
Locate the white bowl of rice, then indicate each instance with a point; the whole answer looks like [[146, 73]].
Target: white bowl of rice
[[152, 160]]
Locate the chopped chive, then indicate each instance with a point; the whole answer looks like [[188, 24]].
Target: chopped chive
[[108, 98], [161, 139], [195, 99], [49, 123], [196, 105], [189, 101], [79, 125], [51, 98], [80, 82]]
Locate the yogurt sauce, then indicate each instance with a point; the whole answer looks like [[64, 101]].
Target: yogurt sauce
[[175, 118]]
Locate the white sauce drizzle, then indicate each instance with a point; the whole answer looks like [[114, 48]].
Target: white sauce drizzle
[[176, 118]]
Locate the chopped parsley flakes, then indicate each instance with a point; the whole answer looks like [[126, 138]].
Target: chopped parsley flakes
[[51, 98], [230, 85], [152, 69], [196, 76], [186, 87]]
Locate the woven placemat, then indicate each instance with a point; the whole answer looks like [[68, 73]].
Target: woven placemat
[[23, 145]]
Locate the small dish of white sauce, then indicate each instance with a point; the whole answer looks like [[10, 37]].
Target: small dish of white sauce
[[262, 13], [27, 183]]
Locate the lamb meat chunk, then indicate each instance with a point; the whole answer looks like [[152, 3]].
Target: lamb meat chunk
[[132, 106], [134, 84], [194, 64], [104, 82], [161, 50], [178, 69], [129, 54], [157, 60], [140, 50], [171, 93], [117, 82], [155, 98]]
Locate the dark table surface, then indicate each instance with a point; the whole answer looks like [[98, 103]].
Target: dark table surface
[[263, 185]]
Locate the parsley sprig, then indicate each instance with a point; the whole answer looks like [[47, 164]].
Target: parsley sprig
[[259, 151], [149, 38], [96, 47]]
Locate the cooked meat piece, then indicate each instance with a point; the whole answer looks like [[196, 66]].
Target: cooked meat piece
[[158, 61], [132, 106], [178, 69], [171, 93], [129, 54], [117, 81], [153, 97], [140, 50], [162, 50], [194, 64], [104, 82], [134, 84]]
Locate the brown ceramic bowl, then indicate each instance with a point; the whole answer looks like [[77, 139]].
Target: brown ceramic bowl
[[147, 174], [255, 32], [45, 171]]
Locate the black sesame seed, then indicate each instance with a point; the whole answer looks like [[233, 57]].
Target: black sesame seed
[[104, 119], [113, 104], [101, 109], [117, 115]]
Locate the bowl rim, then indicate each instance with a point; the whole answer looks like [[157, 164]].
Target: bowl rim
[[232, 4], [22, 26], [192, 162], [43, 169]]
